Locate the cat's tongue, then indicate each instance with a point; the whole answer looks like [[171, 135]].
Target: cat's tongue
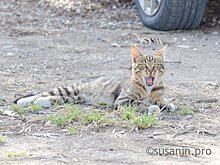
[[149, 81]]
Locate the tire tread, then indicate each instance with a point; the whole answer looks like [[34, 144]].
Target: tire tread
[[176, 14]]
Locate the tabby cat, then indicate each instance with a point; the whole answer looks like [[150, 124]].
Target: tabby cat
[[144, 90]]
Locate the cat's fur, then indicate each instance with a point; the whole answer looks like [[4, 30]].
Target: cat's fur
[[144, 90]]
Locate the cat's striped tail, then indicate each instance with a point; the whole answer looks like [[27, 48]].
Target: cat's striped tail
[[47, 99], [143, 39]]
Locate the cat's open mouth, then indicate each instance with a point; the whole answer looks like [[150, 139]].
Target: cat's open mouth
[[149, 80]]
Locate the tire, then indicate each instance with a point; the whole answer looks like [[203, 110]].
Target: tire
[[174, 14]]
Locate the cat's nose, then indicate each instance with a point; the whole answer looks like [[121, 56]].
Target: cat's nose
[[152, 72]]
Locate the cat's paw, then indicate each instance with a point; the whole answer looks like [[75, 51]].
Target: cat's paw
[[153, 108], [24, 102], [43, 102], [171, 107]]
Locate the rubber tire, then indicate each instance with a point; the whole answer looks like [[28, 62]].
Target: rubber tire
[[175, 14]]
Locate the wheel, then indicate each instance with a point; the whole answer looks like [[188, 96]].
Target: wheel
[[171, 14]]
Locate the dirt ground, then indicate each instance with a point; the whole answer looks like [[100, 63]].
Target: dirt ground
[[41, 48]]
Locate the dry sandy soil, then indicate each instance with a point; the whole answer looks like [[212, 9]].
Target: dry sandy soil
[[41, 48]]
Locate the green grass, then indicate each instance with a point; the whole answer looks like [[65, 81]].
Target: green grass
[[2, 139], [34, 108], [128, 113], [144, 121], [141, 121], [11, 154], [17, 109], [93, 116], [103, 105], [72, 113], [126, 116], [185, 111], [72, 130], [58, 120]]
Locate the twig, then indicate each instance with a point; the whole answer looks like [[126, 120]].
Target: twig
[[22, 130], [9, 113], [131, 130], [205, 132], [209, 100], [162, 109], [181, 133]]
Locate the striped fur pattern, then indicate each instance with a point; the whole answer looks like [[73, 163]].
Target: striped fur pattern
[[144, 90], [150, 40], [143, 39], [145, 87]]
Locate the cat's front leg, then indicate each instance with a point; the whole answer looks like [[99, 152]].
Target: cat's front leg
[[166, 105], [141, 106], [126, 101]]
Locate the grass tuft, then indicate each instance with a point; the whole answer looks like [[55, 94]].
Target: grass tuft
[[17, 109], [93, 116], [62, 120], [141, 121], [2, 139], [185, 111], [126, 116], [72, 131], [34, 108], [128, 113], [144, 121], [12, 154]]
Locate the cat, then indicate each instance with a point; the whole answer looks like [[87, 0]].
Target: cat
[[143, 91]]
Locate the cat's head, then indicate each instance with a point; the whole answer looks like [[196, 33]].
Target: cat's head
[[148, 68]]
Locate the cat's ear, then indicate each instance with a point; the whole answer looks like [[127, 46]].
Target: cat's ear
[[161, 52], [135, 52]]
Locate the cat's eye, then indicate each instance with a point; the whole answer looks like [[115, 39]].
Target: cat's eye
[[141, 66], [159, 66]]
